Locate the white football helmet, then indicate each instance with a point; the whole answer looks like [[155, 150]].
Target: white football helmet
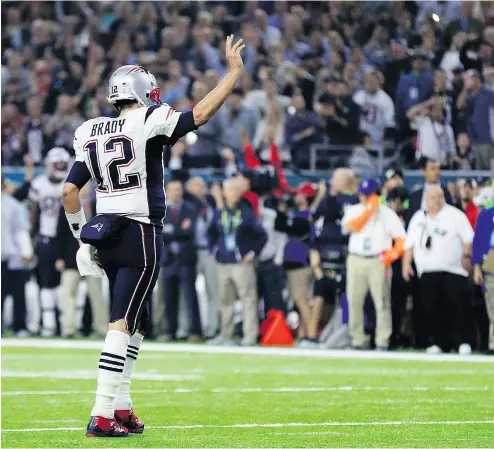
[[57, 163], [133, 82]]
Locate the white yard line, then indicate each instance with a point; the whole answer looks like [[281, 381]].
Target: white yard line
[[93, 375], [276, 425], [250, 390], [257, 350]]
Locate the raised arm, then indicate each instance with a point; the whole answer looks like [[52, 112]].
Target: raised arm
[[206, 108]]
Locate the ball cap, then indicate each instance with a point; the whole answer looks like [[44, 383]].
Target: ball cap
[[368, 186], [307, 189]]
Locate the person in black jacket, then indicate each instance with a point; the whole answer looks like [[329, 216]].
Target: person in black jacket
[[432, 176], [66, 264], [179, 262], [342, 115]]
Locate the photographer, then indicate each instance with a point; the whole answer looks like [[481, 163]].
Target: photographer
[[292, 218], [329, 248]]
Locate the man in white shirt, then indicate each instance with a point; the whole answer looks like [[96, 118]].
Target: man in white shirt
[[377, 111], [372, 227], [436, 139], [440, 242]]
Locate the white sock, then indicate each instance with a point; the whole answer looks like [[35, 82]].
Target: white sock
[[47, 298], [111, 364], [123, 400]]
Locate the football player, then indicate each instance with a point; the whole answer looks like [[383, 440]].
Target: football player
[[45, 198], [125, 157]]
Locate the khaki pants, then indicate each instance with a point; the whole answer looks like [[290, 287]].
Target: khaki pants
[[364, 275], [238, 279], [489, 302], [69, 283]]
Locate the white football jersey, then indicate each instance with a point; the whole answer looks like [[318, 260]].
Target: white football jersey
[[48, 196], [377, 113], [125, 157]]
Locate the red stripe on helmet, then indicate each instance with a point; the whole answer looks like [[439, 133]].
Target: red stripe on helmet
[[134, 70]]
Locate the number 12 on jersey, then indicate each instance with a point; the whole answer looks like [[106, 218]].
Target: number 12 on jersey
[[111, 180]]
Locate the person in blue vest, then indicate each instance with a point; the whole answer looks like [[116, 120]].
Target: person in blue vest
[[483, 256], [236, 238]]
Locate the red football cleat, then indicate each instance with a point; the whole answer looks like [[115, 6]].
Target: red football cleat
[[104, 427], [128, 419]]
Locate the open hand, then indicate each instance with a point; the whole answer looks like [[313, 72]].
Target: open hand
[[232, 52]]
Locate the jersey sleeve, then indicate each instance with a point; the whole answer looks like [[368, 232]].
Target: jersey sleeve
[[79, 173], [163, 120]]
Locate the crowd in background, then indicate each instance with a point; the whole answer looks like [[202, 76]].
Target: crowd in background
[[379, 84], [237, 249], [370, 79]]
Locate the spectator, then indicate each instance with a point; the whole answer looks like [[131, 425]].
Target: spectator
[[375, 50], [261, 99], [465, 159], [376, 111], [476, 54], [36, 139], [294, 222], [464, 22], [17, 254], [445, 97], [467, 190], [479, 104], [341, 115], [451, 58], [270, 35], [440, 242], [236, 116], [62, 125], [412, 89], [365, 157], [235, 239], [205, 209], [397, 64], [176, 87], [436, 139], [12, 135], [208, 135], [179, 263], [270, 129], [372, 228], [432, 177], [301, 131]]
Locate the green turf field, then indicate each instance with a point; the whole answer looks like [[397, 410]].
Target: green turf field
[[242, 399]]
